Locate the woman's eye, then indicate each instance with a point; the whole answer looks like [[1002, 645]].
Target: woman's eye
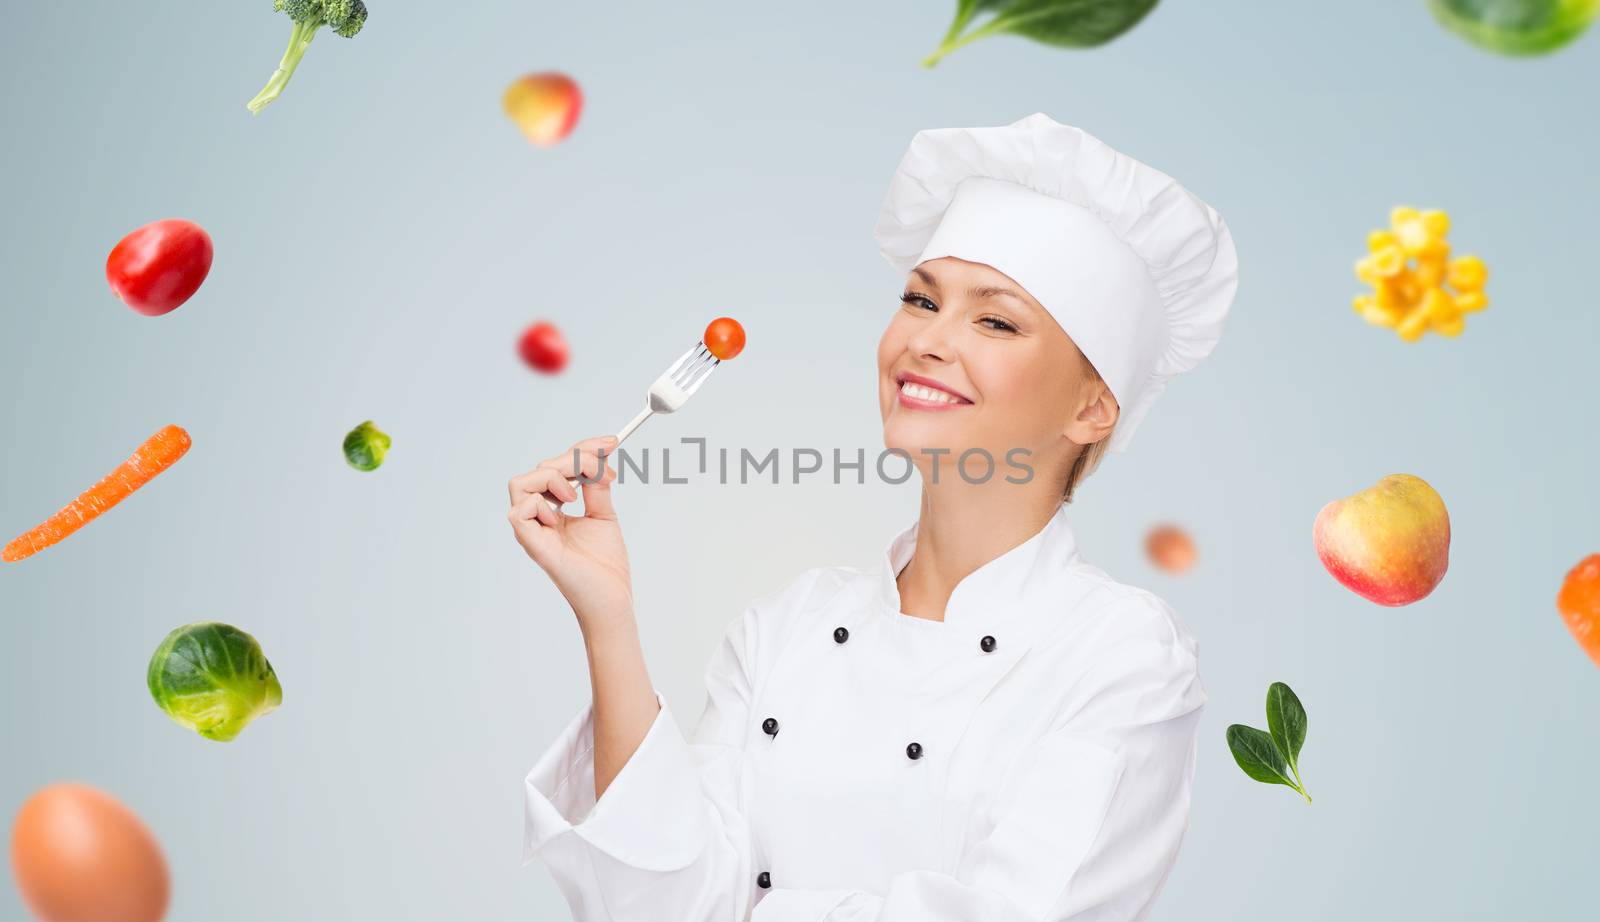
[[1002, 325], [918, 301]]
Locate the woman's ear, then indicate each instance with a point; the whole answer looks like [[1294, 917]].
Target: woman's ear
[[1097, 417]]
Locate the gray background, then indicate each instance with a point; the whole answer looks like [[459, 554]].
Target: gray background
[[383, 235]]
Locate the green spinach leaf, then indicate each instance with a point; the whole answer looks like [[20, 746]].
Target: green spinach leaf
[[1254, 752], [1286, 719], [1064, 23], [1273, 757]]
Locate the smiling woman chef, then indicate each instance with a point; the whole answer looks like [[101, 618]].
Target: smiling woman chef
[[982, 727]]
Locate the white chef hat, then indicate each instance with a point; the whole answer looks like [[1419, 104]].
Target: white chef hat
[[1137, 271]]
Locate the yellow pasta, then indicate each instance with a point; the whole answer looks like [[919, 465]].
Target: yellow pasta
[[1409, 267]]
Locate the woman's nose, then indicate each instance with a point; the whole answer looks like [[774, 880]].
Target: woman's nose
[[931, 340]]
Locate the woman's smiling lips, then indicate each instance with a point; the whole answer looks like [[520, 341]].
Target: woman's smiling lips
[[919, 393]]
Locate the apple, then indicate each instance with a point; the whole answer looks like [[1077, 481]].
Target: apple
[[545, 106], [1390, 543]]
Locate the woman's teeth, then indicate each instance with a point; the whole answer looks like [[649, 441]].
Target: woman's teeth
[[927, 393]]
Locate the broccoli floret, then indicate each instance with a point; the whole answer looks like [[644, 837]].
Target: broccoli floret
[[344, 17]]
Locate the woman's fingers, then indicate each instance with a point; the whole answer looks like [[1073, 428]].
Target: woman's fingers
[[597, 496], [587, 450], [535, 481], [542, 541], [588, 456], [541, 510], [561, 489], [588, 463], [532, 516], [606, 443], [519, 485]]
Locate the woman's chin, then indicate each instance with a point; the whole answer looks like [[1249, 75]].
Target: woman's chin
[[923, 437]]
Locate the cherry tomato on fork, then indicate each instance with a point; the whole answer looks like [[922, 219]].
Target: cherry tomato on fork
[[724, 338], [159, 266]]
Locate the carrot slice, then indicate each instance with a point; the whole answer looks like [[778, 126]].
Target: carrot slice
[[156, 455]]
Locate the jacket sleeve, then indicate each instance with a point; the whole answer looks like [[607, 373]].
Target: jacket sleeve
[[669, 838], [1089, 820]]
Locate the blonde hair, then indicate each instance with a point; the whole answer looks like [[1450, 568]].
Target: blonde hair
[[1089, 455], [1082, 466]]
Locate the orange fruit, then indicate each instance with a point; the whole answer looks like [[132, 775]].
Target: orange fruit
[[1579, 604]]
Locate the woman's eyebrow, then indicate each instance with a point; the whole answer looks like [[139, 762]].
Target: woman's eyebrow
[[979, 292], [976, 292]]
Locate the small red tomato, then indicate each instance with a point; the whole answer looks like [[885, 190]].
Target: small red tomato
[[725, 338], [544, 348], [159, 266]]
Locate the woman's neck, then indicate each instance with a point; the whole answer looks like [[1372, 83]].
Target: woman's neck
[[959, 531]]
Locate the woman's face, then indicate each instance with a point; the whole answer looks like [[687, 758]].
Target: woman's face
[[1013, 377]]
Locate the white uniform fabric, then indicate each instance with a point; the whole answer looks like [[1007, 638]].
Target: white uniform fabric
[[1137, 270], [1056, 710]]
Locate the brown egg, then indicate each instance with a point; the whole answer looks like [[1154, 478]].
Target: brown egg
[[81, 856], [1170, 548]]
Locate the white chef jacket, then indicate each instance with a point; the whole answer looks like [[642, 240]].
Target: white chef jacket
[[1027, 759]]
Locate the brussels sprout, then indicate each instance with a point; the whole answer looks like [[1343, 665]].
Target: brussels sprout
[[365, 447], [213, 678], [1518, 27]]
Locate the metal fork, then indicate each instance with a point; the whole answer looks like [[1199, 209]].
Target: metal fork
[[667, 393]]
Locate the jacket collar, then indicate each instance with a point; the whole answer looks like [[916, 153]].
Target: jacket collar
[[1001, 595]]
